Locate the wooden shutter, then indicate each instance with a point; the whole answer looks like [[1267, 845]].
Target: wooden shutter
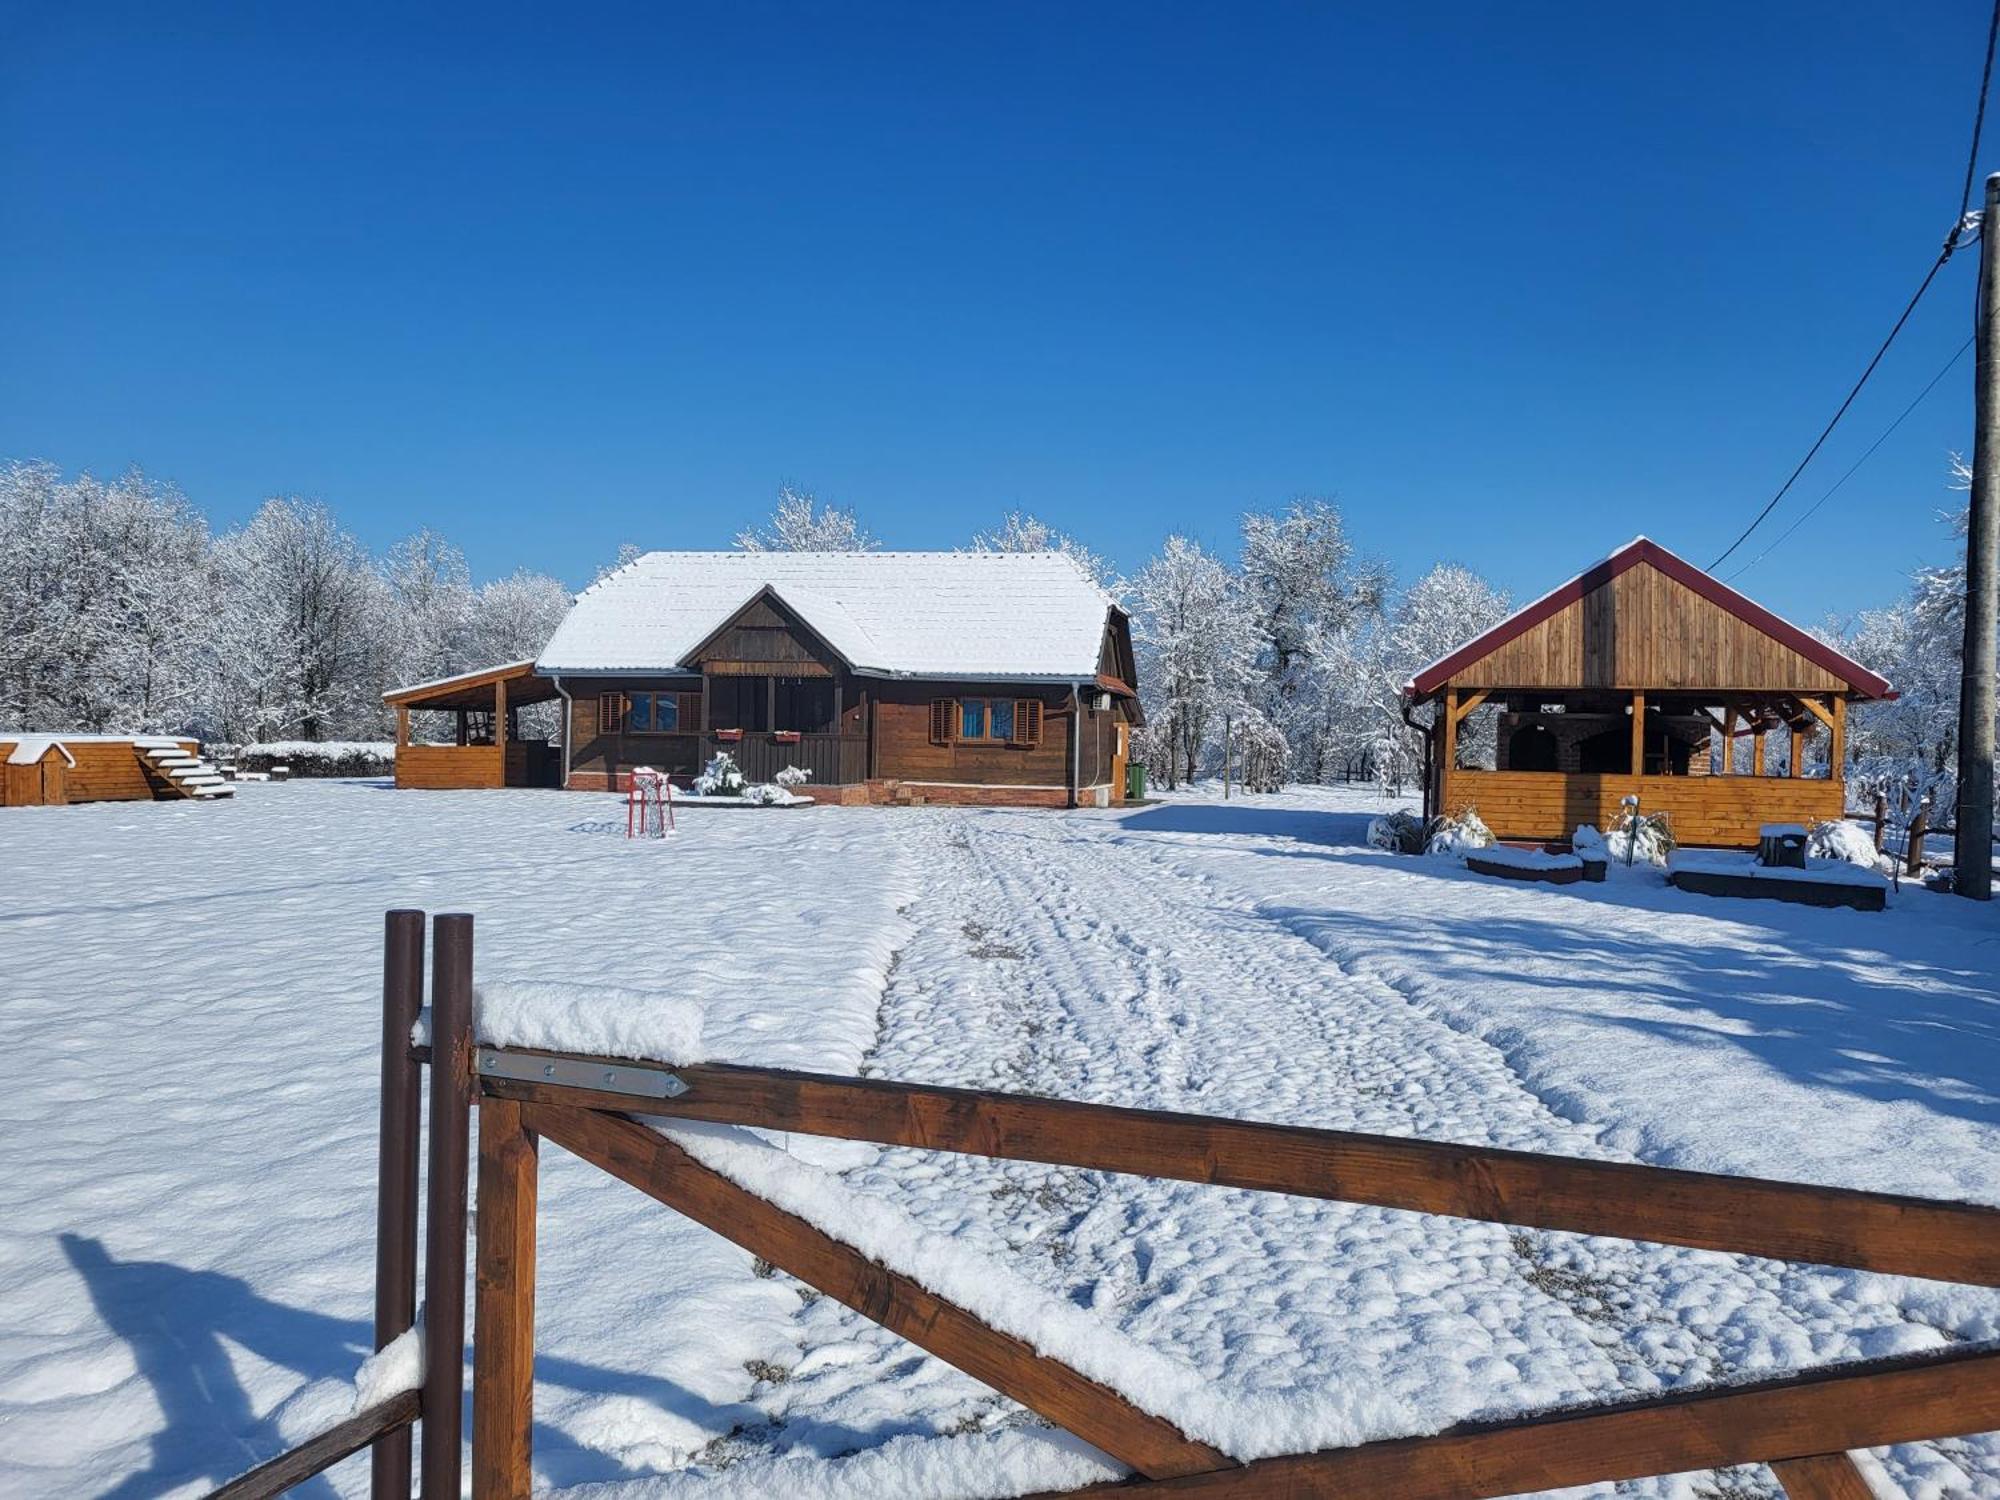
[[1027, 722], [944, 720], [690, 721], [610, 713]]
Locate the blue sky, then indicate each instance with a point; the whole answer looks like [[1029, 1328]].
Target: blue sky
[[1511, 283]]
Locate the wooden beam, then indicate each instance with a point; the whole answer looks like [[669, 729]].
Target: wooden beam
[[1448, 748], [1639, 732], [1854, 1406], [1798, 754], [1472, 702], [1836, 753], [402, 725], [1757, 750], [1823, 1476], [500, 725], [317, 1455], [659, 1168], [1823, 715], [1750, 1216], [503, 1343]]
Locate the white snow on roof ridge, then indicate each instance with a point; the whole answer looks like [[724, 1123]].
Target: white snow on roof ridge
[[466, 676], [968, 614], [32, 747]]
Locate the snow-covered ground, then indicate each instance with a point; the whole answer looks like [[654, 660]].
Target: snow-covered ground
[[192, 1006]]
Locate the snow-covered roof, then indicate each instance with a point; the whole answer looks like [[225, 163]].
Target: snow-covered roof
[[30, 748], [458, 679], [1031, 615]]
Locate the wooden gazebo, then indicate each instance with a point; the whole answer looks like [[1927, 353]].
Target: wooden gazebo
[[1640, 677], [486, 749]]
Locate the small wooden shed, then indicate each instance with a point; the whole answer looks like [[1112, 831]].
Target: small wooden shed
[[486, 749], [1639, 677], [36, 772]]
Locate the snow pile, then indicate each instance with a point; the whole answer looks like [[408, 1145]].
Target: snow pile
[[589, 1019], [980, 1466], [1650, 844], [1735, 862], [1246, 1425], [792, 778], [1399, 832], [1453, 838], [1843, 840], [1528, 859], [396, 1367]]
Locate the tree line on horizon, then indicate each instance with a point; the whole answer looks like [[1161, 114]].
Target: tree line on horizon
[[122, 612]]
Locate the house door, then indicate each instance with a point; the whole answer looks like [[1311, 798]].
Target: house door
[[1119, 757]]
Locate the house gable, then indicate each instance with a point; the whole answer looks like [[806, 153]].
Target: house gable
[[765, 637], [1644, 618]]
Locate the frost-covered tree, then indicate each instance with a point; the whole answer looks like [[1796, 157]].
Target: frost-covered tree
[[801, 524], [105, 596], [302, 639], [628, 553], [1197, 642], [1440, 611], [430, 589], [1021, 532], [1907, 748], [1309, 594]]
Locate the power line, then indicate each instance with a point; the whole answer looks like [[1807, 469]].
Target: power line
[[1952, 241], [1887, 433]]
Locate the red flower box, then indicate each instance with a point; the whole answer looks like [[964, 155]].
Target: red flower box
[[731, 735], [786, 736]]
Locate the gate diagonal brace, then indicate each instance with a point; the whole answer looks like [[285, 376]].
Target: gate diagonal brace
[[635, 1080]]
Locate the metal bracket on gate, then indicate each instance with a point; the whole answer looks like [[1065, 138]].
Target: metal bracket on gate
[[637, 1079]]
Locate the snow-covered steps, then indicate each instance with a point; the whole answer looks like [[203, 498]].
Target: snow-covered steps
[[175, 771]]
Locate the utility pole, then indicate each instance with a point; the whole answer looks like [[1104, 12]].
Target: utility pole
[[1972, 857]]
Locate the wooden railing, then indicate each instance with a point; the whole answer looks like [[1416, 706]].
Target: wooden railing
[[833, 759], [1802, 1425]]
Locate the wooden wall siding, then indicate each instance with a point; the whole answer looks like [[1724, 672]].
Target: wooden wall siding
[[105, 771], [764, 639], [1723, 811], [440, 768], [1644, 630], [904, 752]]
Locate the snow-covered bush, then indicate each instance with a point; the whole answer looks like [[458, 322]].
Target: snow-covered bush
[[722, 777], [1398, 832], [1454, 836], [1843, 840], [792, 778], [1652, 843], [1263, 755], [321, 757], [764, 794]]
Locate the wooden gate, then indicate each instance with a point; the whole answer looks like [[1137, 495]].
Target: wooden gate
[[1802, 1425]]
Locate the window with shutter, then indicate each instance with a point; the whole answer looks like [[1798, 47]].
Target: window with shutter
[[610, 713], [944, 716], [690, 712], [1027, 722]]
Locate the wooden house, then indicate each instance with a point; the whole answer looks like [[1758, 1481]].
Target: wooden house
[[53, 770], [1639, 678], [888, 676]]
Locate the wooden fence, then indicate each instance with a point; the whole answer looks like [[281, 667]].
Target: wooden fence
[[1802, 1425]]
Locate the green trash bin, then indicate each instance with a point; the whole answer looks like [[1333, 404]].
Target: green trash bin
[[1135, 782]]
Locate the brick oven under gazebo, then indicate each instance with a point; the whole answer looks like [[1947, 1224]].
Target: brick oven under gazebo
[[486, 748]]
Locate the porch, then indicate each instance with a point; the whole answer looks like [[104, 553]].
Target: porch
[[486, 748], [1718, 770]]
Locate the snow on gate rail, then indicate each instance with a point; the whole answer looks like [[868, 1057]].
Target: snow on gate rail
[[1155, 1416]]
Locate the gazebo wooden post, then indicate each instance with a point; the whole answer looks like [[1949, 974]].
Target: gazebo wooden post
[[500, 726], [402, 725], [1448, 750], [1757, 746], [1837, 750], [1638, 731], [1798, 767]]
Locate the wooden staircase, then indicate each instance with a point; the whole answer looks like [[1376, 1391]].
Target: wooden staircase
[[175, 771]]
